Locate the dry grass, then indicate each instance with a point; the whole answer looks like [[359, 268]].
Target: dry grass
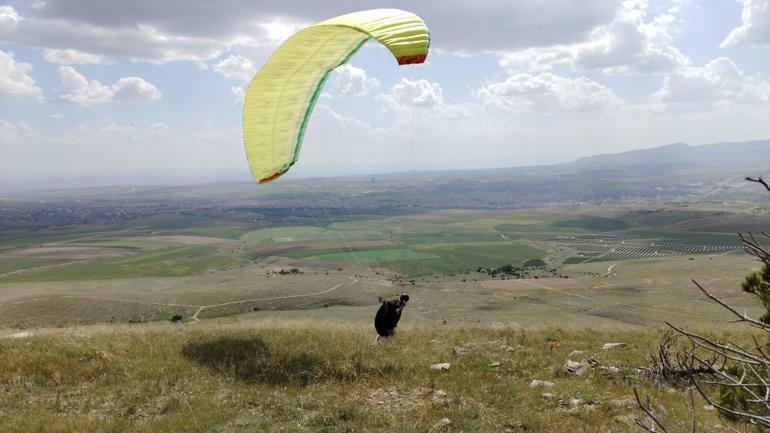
[[278, 376]]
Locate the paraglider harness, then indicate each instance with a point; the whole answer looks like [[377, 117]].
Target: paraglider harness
[[387, 317]]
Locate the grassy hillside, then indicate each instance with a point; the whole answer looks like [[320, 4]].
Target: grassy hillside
[[267, 376]]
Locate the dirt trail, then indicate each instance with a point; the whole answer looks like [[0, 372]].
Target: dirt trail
[[200, 308], [279, 298]]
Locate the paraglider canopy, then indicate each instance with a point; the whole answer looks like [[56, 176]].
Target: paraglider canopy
[[282, 94]]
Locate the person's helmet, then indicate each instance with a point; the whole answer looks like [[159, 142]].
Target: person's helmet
[[404, 297]]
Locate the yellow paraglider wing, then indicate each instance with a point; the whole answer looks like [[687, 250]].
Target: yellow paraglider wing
[[282, 94]]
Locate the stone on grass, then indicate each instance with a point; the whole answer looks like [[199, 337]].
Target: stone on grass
[[614, 346], [443, 366], [576, 368], [443, 422], [439, 397], [537, 383]]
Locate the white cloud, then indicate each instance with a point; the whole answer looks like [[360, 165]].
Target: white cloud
[[113, 129], [630, 44], [193, 30], [756, 25], [73, 57], [547, 92], [14, 77], [240, 94], [236, 68], [217, 135], [419, 93], [134, 89], [8, 132], [277, 30], [349, 80], [138, 41], [9, 18], [77, 89], [718, 84], [347, 124]]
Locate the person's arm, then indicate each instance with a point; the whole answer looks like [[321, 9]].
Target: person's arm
[[400, 308]]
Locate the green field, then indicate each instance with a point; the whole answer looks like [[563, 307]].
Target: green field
[[172, 262], [15, 264], [364, 255], [621, 265], [273, 331], [214, 232]]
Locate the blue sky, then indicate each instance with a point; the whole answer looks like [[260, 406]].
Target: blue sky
[[152, 89]]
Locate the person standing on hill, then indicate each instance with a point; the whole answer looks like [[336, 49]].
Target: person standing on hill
[[387, 317]]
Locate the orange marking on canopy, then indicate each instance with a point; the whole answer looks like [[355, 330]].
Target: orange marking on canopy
[[411, 60]]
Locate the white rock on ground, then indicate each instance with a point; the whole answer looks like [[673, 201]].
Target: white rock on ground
[[614, 346], [439, 397], [444, 366], [537, 383], [576, 368]]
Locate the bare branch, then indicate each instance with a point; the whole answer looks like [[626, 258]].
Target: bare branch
[[743, 317], [648, 411], [758, 180]]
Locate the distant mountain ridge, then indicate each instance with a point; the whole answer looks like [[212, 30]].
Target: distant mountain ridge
[[745, 156]]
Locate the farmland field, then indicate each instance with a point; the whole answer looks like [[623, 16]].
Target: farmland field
[[194, 321], [626, 266]]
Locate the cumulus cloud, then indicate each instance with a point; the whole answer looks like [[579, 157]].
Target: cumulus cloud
[[236, 68], [346, 124], [77, 89], [630, 44], [547, 92], [755, 28], [73, 57], [349, 80], [138, 41], [419, 93], [14, 77], [134, 89], [195, 30], [9, 18], [720, 83]]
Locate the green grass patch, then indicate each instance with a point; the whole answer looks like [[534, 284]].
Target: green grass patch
[[172, 262], [372, 256], [15, 264], [594, 224], [327, 379], [212, 232], [120, 244], [15, 239], [469, 256]]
